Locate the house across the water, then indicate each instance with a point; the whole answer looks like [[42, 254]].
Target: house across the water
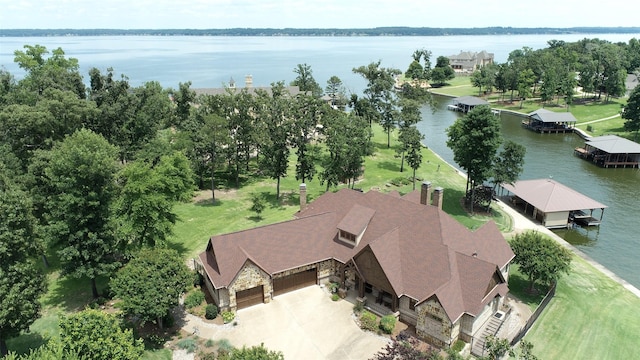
[[610, 151], [545, 121], [469, 61], [553, 204], [399, 255]]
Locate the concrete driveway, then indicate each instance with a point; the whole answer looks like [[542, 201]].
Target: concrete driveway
[[303, 324]]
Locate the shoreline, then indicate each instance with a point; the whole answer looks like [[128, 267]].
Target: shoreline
[[522, 223]]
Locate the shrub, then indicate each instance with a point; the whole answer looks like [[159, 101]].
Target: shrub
[[155, 341], [589, 128], [228, 316], [188, 344], [198, 280], [211, 311], [368, 321], [210, 343], [224, 345], [458, 345], [333, 287], [335, 297], [388, 323], [358, 307], [194, 299]]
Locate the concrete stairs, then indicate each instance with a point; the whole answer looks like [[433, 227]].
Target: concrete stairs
[[491, 328]]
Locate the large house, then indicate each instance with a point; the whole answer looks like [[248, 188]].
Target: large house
[[399, 253], [469, 61]]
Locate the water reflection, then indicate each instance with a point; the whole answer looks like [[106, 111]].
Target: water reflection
[[615, 243]]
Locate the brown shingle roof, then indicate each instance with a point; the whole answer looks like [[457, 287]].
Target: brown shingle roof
[[356, 219], [423, 251], [549, 195]]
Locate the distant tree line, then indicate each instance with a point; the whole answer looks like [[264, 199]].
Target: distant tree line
[[378, 31]]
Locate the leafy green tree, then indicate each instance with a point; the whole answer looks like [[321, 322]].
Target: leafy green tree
[[335, 90], [409, 116], [308, 112], [81, 172], [184, 97], [631, 112], [97, 335], [151, 283], [255, 353], [305, 80], [380, 95], [526, 80], [442, 71], [508, 164], [540, 257], [276, 118], [55, 71], [21, 283], [420, 68], [474, 139], [497, 348], [413, 142], [257, 205], [525, 351], [52, 350], [483, 78], [144, 207]]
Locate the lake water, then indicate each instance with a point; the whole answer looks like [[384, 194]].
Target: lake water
[[212, 61]]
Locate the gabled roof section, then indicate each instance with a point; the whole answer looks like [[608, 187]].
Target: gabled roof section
[[549, 195], [356, 219], [547, 116], [614, 144]]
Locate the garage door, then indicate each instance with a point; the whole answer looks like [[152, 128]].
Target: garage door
[[246, 298], [294, 281]]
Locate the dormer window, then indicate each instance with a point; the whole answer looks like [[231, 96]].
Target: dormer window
[[347, 236], [353, 225]]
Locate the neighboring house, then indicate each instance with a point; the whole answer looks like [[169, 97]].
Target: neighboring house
[[469, 61], [397, 254]]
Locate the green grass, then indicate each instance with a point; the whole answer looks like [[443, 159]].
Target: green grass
[[199, 221], [591, 317], [519, 285], [161, 354]]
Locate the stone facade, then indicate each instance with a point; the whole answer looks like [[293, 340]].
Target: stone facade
[[406, 314], [249, 277], [325, 269], [433, 324]]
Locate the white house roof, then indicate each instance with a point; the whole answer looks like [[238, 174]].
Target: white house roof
[[549, 196], [547, 116], [613, 144]]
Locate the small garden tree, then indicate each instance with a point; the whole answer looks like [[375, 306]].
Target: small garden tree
[[94, 334], [151, 283], [539, 257]]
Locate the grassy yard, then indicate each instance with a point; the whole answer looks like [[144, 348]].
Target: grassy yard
[[591, 317]]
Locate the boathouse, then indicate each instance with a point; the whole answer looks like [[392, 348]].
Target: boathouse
[[546, 121], [466, 103], [553, 204], [610, 151]]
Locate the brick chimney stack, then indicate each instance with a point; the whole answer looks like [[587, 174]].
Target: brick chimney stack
[[438, 197], [425, 193], [303, 196]]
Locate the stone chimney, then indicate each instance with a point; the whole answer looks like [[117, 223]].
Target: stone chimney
[[303, 196], [425, 193], [248, 81], [437, 197]]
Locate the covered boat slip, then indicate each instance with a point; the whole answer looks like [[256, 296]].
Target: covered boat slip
[[610, 151], [466, 103], [545, 121], [553, 204]]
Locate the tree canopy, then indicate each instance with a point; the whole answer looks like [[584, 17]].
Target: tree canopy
[[631, 112], [151, 283], [540, 257]]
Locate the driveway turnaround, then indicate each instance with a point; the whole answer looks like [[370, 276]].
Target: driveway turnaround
[[303, 324]]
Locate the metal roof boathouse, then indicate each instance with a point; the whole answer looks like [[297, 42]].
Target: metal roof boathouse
[[466, 103], [545, 121], [553, 204], [610, 151]]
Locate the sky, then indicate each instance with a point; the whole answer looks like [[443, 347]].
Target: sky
[[220, 14]]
